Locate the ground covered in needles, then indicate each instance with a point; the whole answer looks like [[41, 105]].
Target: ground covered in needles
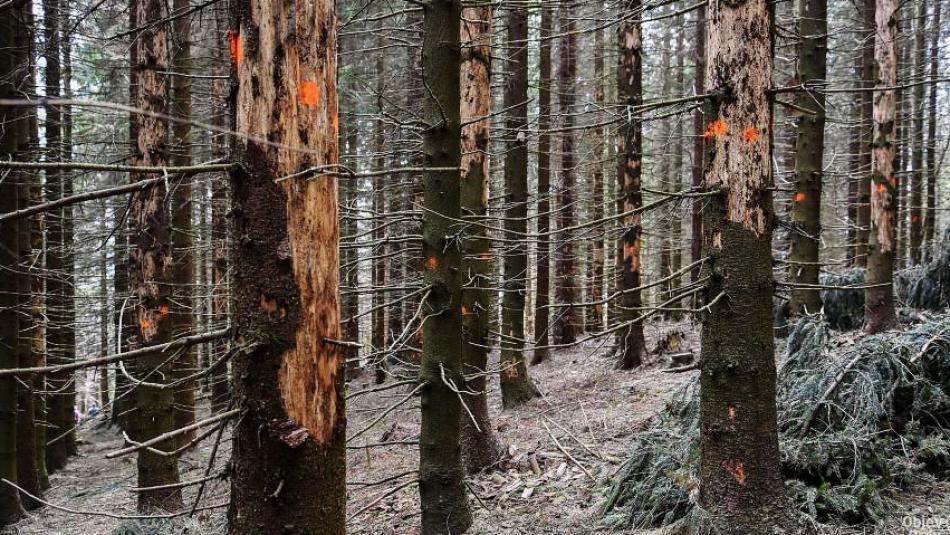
[[567, 454]]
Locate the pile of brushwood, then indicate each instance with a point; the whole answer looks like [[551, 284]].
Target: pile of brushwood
[[924, 287], [858, 418]]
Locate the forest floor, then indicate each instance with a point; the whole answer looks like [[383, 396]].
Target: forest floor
[[562, 451]]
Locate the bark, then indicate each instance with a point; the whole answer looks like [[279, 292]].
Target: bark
[[56, 452], [288, 461], [543, 288], [69, 256], [742, 488], [219, 377], [150, 263], [10, 507], [27, 182], [37, 263], [441, 486], [349, 192], [480, 447], [183, 275], [516, 385], [863, 212], [806, 207], [379, 235], [595, 263], [630, 340], [567, 320], [699, 124], [933, 173], [916, 223], [879, 310], [104, 317]]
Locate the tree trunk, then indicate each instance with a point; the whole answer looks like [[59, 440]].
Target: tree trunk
[[183, 308], [742, 488], [441, 485], [379, 236], [879, 310], [56, 453], [933, 173], [11, 509], [543, 289], [516, 385], [595, 263], [630, 159], [480, 447], [289, 460], [916, 223], [863, 212], [27, 182], [219, 376], [69, 256], [699, 124], [104, 398], [150, 262], [567, 320], [806, 208]]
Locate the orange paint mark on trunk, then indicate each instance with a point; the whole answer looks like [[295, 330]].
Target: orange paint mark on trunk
[[144, 323], [800, 196], [164, 310], [309, 93], [881, 188], [736, 468], [464, 310], [750, 134], [716, 128], [432, 262], [237, 47]]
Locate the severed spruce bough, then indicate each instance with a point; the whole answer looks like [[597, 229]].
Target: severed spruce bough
[[858, 417]]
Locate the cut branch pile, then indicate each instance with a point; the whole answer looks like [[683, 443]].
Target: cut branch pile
[[858, 417]]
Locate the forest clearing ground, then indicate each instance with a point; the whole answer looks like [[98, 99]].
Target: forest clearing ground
[[591, 409]]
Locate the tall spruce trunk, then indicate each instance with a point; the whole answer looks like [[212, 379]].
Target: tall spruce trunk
[[567, 319], [742, 490], [542, 297], [219, 376], [595, 264], [806, 207], [630, 341], [933, 173], [699, 124], [11, 508], [879, 312], [915, 224], [289, 460], [380, 311], [69, 251], [57, 405], [441, 485], [863, 210], [516, 385], [28, 182], [183, 272], [480, 447], [150, 260]]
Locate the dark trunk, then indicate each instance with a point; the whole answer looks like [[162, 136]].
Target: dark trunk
[[806, 208], [543, 289], [441, 477]]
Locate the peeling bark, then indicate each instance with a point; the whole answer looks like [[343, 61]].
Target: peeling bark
[[480, 447], [630, 340], [879, 310], [742, 488], [289, 446]]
